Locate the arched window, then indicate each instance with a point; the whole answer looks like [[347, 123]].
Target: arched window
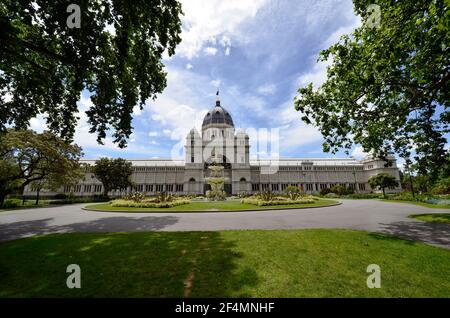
[[243, 180], [191, 180]]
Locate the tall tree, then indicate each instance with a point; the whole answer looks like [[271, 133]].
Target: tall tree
[[388, 85], [115, 54], [382, 181], [27, 157], [114, 174], [54, 181]]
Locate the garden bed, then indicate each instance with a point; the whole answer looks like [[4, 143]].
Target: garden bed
[[217, 206]]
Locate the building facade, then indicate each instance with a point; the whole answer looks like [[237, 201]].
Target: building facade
[[219, 143]]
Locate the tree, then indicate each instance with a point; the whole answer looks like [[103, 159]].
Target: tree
[[114, 174], [340, 190], [27, 157], [122, 68], [383, 181], [388, 85], [442, 186], [55, 181]]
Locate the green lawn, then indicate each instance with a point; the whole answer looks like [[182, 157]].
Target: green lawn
[[29, 204], [297, 263], [427, 205], [434, 218], [230, 205]]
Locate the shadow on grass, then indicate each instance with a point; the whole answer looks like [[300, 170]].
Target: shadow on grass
[[432, 233], [156, 264], [10, 231]]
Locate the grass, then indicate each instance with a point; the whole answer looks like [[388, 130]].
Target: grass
[[424, 204], [433, 218], [297, 263], [229, 205], [29, 204]]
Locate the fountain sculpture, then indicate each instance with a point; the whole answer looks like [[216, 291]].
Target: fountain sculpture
[[216, 181]]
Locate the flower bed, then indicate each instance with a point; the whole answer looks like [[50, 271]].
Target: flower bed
[[278, 201], [148, 203]]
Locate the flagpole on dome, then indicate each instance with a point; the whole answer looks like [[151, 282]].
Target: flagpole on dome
[[217, 98]]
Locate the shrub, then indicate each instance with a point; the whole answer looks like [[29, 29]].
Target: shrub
[[292, 192], [442, 186], [243, 195], [134, 196], [362, 196], [338, 189], [331, 195], [425, 198], [11, 203], [265, 196], [257, 200], [73, 200], [148, 203], [325, 191], [162, 197], [61, 196]]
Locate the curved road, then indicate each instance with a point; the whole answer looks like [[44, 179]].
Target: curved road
[[369, 215]]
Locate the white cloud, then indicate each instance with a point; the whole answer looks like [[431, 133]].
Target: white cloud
[[182, 104], [38, 123], [153, 134], [210, 50], [189, 66], [8, 97], [358, 152], [225, 41], [348, 29], [298, 134], [216, 83], [248, 100], [137, 111], [293, 131], [87, 140], [317, 76], [204, 20], [227, 51], [267, 89]]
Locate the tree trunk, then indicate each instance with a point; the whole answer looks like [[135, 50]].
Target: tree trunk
[[37, 196], [384, 194], [412, 187], [2, 198]]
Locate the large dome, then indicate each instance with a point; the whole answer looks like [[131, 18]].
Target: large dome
[[218, 115]]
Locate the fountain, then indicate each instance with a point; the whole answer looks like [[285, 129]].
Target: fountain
[[216, 181]]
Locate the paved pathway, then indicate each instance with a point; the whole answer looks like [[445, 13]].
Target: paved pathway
[[370, 215]]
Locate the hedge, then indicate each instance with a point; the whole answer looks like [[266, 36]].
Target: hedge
[[148, 204], [260, 202]]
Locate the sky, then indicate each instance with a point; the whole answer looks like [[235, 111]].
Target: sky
[[258, 53]]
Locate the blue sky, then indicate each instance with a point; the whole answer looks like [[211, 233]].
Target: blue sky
[[258, 52]]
